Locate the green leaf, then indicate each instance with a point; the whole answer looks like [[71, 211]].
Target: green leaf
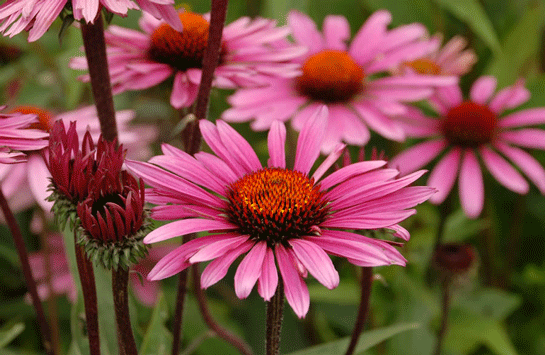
[[10, 331], [403, 11], [279, 9], [472, 13], [458, 227], [157, 339], [520, 45], [367, 340], [347, 293]]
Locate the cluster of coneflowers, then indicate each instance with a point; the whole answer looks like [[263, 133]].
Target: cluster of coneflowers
[[282, 218]]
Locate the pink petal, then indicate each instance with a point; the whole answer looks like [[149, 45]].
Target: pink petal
[[250, 269], [532, 116], [503, 171], [417, 156], [294, 287], [218, 268], [328, 162], [350, 171], [310, 138], [238, 147], [381, 124], [369, 37], [483, 89], [528, 164], [304, 31], [444, 175], [510, 97], [529, 137], [316, 261], [217, 249], [336, 31], [268, 280], [471, 185], [186, 226], [277, 144]]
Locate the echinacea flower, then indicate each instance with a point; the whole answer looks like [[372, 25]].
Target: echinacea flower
[[26, 184], [451, 59], [467, 129], [62, 281], [273, 214], [36, 16], [17, 134], [349, 79], [250, 50]]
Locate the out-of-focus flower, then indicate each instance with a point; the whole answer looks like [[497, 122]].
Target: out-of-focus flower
[[451, 59], [273, 213], [251, 50], [63, 283], [467, 129], [25, 184], [17, 134], [36, 16], [348, 79]]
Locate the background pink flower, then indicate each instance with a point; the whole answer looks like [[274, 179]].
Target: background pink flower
[[251, 50], [36, 16], [273, 213], [466, 130], [343, 77]]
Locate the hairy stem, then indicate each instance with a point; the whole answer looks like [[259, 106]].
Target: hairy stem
[[95, 51], [191, 136], [25, 265], [366, 282], [88, 288], [221, 332], [125, 338], [275, 312]]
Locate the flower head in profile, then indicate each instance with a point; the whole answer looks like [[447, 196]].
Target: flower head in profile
[[451, 59], [276, 216], [17, 134], [36, 16], [466, 129], [251, 50], [349, 79], [26, 184]]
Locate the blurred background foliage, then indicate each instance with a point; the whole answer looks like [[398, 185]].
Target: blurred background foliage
[[499, 310]]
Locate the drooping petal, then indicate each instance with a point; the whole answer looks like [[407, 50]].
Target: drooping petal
[[249, 270], [186, 226], [294, 287], [316, 262], [310, 138], [471, 185], [218, 268], [268, 280], [483, 89], [417, 156], [503, 171], [528, 164], [444, 175]]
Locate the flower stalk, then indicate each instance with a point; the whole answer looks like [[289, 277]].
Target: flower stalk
[[366, 282], [125, 337], [275, 311], [25, 265], [88, 287], [95, 51], [180, 302]]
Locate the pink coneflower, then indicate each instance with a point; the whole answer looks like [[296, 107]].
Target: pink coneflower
[[63, 282], [37, 15], [251, 49], [346, 78], [468, 129], [274, 215], [25, 184], [451, 59], [18, 133]]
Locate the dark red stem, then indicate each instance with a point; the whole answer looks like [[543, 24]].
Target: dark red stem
[[275, 311], [366, 283], [221, 332], [125, 337], [25, 265], [191, 136], [445, 306], [180, 301], [88, 287], [95, 51]]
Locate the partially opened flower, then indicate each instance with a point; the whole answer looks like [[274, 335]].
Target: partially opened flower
[[26, 184], [349, 79], [477, 127], [251, 49], [451, 59], [36, 16], [17, 134], [275, 215]]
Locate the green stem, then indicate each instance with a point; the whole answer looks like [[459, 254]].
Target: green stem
[[366, 284], [125, 337]]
